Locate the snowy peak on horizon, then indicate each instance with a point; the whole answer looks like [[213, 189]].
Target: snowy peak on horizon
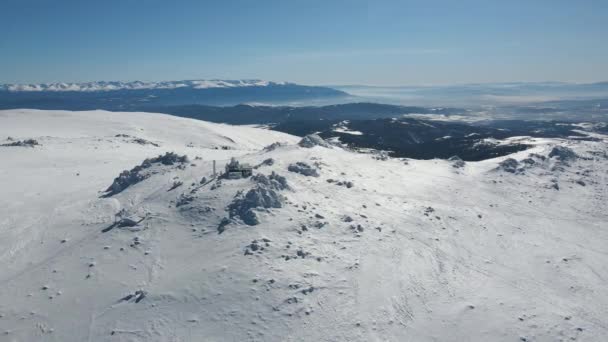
[[138, 85]]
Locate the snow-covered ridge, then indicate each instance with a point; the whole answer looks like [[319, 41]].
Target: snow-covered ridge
[[114, 227], [137, 85]]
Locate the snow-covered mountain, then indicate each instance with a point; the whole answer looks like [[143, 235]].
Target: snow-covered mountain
[[155, 96], [320, 244], [136, 85]]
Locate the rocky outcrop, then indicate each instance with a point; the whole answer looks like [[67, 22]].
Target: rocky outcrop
[[563, 153], [260, 197], [139, 172], [265, 195], [509, 165], [313, 140]]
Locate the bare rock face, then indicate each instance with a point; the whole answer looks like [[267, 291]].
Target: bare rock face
[[138, 173], [563, 153], [304, 169], [313, 140]]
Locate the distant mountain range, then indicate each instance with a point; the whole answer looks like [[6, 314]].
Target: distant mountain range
[[135, 95], [138, 85], [266, 102]]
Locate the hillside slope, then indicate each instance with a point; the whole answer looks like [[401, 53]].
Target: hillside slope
[[332, 246]]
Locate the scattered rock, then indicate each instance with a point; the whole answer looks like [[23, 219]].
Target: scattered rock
[[265, 162], [257, 247], [124, 220], [302, 254], [136, 297], [141, 141], [308, 290], [183, 200], [22, 143], [347, 184], [381, 155], [304, 169]]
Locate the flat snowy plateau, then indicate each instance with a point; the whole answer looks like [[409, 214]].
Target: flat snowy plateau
[[332, 246]]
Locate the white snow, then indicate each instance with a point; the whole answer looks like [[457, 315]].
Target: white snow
[[441, 254]]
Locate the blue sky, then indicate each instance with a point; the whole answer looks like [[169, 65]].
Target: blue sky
[[311, 42]]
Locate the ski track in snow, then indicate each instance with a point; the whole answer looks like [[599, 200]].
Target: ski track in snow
[[441, 254]]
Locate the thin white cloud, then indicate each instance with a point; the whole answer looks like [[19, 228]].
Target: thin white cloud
[[322, 54]]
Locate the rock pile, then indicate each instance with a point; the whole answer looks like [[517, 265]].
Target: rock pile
[[304, 169]]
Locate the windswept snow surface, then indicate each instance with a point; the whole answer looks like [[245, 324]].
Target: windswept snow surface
[[370, 250]]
